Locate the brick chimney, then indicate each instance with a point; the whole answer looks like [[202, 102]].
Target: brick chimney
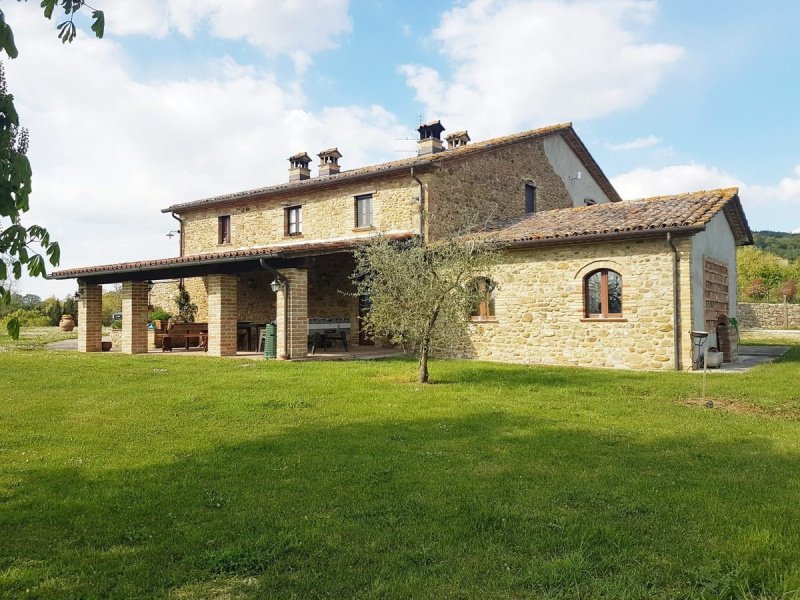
[[298, 167], [329, 161], [430, 140], [457, 139]]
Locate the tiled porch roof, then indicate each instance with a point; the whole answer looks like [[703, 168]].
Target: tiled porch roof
[[276, 251], [680, 214]]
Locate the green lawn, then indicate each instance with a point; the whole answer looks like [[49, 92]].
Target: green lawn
[[33, 338], [194, 477]]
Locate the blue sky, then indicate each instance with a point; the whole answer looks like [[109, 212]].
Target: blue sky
[[185, 99]]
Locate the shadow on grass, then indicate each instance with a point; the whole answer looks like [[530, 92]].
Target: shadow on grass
[[491, 505]]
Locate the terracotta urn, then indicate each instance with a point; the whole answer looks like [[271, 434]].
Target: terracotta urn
[[66, 323]]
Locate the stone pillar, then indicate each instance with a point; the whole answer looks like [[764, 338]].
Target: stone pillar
[[293, 339], [90, 317], [134, 316], [222, 314]]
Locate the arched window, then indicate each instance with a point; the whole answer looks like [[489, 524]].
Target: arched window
[[482, 289], [602, 292]]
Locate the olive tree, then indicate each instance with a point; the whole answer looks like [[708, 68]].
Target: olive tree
[[422, 294]]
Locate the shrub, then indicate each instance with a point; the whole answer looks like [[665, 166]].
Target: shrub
[[159, 314], [52, 309], [757, 289], [186, 309], [70, 307], [112, 303], [116, 324], [788, 290], [27, 317]]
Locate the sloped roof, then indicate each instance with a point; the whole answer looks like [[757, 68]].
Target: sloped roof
[[418, 162], [681, 213], [285, 250]]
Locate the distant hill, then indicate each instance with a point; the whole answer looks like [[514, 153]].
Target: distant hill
[[783, 244]]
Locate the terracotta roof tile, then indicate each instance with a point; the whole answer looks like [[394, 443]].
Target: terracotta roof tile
[[681, 212], [415, 161], [278, 251]]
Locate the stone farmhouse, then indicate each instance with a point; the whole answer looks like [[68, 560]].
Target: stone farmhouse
[[587, 279]]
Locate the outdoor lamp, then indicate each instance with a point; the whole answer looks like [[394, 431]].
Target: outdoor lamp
[[276, 285]]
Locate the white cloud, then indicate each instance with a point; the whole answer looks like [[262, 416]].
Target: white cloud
[[563, 61], [643, 142], [775, 207], [297, 29], [109, 151], [675, 179]]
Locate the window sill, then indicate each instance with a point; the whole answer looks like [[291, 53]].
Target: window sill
[[483, 319], [292, 235], [604, 320], [224, 244], [366, 228]]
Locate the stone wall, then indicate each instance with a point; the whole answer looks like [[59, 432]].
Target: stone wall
[[198, 293], [769, 316], [493, 184], [540, 308], [163, 293], [326, 214]]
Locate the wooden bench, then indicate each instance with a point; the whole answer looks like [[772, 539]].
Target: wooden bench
[[183, 334]]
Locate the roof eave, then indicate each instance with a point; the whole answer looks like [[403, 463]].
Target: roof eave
[[604, 237], [582, 152], [304, 186], [734, 212], [427, 163], [288, 252]]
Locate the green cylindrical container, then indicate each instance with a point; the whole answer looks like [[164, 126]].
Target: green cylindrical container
[[270, 341]]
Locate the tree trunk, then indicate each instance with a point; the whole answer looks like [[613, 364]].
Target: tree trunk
[[425, 346], [423, 361]]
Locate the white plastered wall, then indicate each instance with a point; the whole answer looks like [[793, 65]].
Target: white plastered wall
[[716, 243], [567, 166]]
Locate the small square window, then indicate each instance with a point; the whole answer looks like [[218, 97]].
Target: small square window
[[224, 229], [364, 210], [294, 220], [530, 198]]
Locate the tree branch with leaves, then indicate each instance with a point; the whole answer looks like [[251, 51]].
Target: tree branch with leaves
[[421, 294], [25, 247]]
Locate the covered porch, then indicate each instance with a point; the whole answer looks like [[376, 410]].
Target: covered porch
[[298, 288]]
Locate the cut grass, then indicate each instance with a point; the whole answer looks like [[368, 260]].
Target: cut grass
[[34, 338], [193, 477]]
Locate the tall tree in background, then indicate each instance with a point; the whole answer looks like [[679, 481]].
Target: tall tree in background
[[25, 246]]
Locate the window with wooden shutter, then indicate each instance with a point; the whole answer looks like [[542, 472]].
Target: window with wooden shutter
[[364, 210], [294, 220]]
